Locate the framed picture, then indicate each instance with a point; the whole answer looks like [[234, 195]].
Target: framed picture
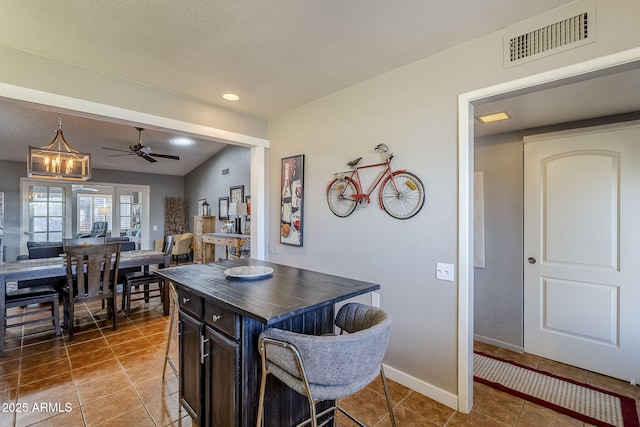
[[223, 208], [247, 200], [236, 194], [292, 200]]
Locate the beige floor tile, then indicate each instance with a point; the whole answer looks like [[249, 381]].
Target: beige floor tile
[[367, 405], [99, 370], [475, 419], [40, 372], [43, 411], [72, 418], [431, 410], [155, 388], [91, 358], [496, 404], [139, 417], [165, 411], [109, 407], [97, 388]]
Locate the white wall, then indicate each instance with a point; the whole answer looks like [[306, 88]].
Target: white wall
[[414, 110], [207, 181], [498, 309]]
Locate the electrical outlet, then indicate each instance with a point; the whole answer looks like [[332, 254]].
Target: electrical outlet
[[375, 299], [444, 271]]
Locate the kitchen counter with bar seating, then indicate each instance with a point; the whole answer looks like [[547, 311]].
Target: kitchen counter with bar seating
[[221, 316]]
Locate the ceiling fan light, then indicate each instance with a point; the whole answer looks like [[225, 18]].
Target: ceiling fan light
[[181, 141], [231, 97]]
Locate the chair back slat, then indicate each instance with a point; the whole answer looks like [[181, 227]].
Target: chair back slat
[[92, 268], [84, 241]]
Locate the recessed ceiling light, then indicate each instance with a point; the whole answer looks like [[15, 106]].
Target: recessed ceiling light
[[494, 117], [231, 97], [182, 141]]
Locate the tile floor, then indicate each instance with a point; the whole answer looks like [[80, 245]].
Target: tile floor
[[114, 378]]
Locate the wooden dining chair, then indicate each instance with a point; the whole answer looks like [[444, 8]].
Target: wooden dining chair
[[92, 271], [28, 298], [140, 282]]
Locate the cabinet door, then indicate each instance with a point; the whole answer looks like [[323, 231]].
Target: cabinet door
[[197, 249], [222, 382], [197, 225], [190, 367]]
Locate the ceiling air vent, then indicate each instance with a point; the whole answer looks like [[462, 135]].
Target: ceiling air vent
[[563, 34]]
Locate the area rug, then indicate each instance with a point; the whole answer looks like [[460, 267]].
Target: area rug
[[581, 401]]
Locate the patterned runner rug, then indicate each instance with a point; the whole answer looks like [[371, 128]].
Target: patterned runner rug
[[581, 401]]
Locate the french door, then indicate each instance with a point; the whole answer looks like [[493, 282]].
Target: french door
[[54, 210]]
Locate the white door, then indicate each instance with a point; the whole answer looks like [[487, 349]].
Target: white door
[[582, 249]]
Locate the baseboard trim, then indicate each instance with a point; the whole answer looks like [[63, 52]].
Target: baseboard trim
[[426, 389], [498, 343]]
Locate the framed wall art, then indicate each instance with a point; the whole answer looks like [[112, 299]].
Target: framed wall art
[[223, 208], [292, 200], [236, 194]]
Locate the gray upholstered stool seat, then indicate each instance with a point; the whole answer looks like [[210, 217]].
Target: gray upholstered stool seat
[[329, 367]]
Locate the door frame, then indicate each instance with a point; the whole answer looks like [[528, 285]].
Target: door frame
[[466, 101]]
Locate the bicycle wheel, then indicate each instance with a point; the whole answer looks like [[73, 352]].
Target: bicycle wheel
[[402, 195], [340, 193]]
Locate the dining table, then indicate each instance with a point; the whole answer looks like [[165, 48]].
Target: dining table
[[15, 271]]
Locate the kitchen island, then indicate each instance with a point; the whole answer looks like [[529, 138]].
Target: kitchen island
[[221, 318]]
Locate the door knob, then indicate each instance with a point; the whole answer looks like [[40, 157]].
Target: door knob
[[531, 260]]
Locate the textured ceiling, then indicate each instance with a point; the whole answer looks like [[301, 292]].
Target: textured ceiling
[[277, 55]]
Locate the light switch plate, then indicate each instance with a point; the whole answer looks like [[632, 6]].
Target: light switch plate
[[444, 271]]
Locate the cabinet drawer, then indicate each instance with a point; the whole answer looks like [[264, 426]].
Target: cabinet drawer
[[222, 319], [190, 302]]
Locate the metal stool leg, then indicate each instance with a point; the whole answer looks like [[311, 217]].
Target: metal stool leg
[[173, 296], [386, 395]]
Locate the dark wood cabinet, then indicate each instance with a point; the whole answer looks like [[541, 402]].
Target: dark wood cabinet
[[221, 380], [221, 321], [190, 366]]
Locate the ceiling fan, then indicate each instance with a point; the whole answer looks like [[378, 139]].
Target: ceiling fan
[[143, 151]]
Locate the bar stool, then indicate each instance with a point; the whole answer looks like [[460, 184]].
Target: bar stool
[[328, 367]]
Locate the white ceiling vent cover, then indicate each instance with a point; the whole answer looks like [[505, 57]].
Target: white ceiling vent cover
[[533, 40]]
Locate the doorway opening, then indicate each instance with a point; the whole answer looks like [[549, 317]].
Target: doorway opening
[[585, 71]]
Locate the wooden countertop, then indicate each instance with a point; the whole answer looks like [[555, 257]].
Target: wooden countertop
[[288, 292]]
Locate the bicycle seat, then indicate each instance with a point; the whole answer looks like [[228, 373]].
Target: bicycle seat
[[354, 163]]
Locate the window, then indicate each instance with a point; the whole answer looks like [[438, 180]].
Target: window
[[92, 208], [46, 213], [53, 210]]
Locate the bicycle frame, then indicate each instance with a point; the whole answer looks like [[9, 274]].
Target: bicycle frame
[[359, 196]]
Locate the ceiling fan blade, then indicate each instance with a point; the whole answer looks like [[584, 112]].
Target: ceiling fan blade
[[114, 149], [148, 158], [166, 156], [120, 155]]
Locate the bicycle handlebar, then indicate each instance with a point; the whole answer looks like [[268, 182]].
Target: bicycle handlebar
[[382, 148]]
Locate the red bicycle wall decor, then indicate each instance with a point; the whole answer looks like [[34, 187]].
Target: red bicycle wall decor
[[401, 194]]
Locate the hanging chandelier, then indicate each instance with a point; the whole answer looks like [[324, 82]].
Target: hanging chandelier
[[58, 160]]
